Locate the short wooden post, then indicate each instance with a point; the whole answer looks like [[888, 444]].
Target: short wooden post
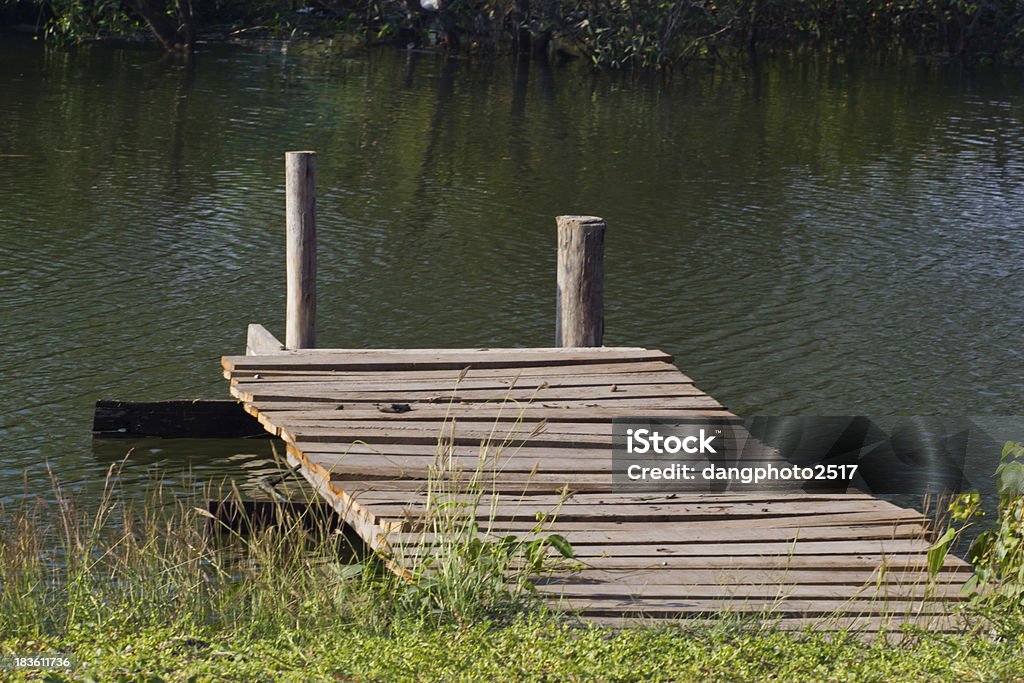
[[300, 201], [579, 304]]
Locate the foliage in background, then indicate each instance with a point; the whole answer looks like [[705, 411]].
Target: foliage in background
[[608, 33], [997, 553]]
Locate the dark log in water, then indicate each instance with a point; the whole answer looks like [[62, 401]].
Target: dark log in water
[[197, 419]]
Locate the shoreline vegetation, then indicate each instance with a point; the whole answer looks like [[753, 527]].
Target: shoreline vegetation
[[610, 34], [168, 591]]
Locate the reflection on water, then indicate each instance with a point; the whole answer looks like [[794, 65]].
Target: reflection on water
[[186, 466], [812, 237]]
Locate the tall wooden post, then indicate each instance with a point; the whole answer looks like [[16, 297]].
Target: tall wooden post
[[300, 201], [579, 314]]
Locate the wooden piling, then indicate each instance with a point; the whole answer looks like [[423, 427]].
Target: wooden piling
[[300, 190], [579, 304]]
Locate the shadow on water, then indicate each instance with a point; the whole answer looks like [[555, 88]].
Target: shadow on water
[[191, 464], [908, 460]]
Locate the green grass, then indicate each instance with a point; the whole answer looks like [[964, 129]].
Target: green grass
[[527, 650], [144, 593]]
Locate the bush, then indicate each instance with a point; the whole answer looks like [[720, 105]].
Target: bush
[[997, 553]]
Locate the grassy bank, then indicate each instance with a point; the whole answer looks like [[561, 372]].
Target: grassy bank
[[162, 591], [537, 650]]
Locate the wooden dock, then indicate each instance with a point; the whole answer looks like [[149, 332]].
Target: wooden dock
[[367, 427], [373, 430]]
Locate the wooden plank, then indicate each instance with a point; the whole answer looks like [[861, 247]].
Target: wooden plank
[[580, 470], [637, 406], [337, 452], [513, 486], [281, 413], [644, 553], [253, 392], [258, 341], [419, 467], [590, 370], [838, 562], [561, 525], [671, 607], [744, 578], [439, 359], [700, 534], [602, 432], [782, 547], [546, 499], [566, 518], [386, 383], [767, 591], [861, 625], [278, 412], [462, 437], [640, 511], [551, 480], [627, 406]]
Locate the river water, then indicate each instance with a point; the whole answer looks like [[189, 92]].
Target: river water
[[807, 236]]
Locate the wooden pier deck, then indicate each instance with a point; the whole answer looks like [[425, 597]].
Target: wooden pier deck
[[365, 426]]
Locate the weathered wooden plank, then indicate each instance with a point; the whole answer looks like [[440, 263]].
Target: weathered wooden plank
[[418, 466], [627, 406], [439, 359], [744, 578], [766, 591], [259, 342], [589, 370], [670, 607], [568, 513], [417, 494], [698, 534], [827, 553], [875, 562], [666, 523], [511, 486], [282, 413], [782, 547], [462, 436], [406, 466], [597, 470], [384, 383], [552, 480], [256, 391], [328, 452], [341, 424], [864, 626]]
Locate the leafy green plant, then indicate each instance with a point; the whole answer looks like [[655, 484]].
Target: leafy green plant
[[997, 553]]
